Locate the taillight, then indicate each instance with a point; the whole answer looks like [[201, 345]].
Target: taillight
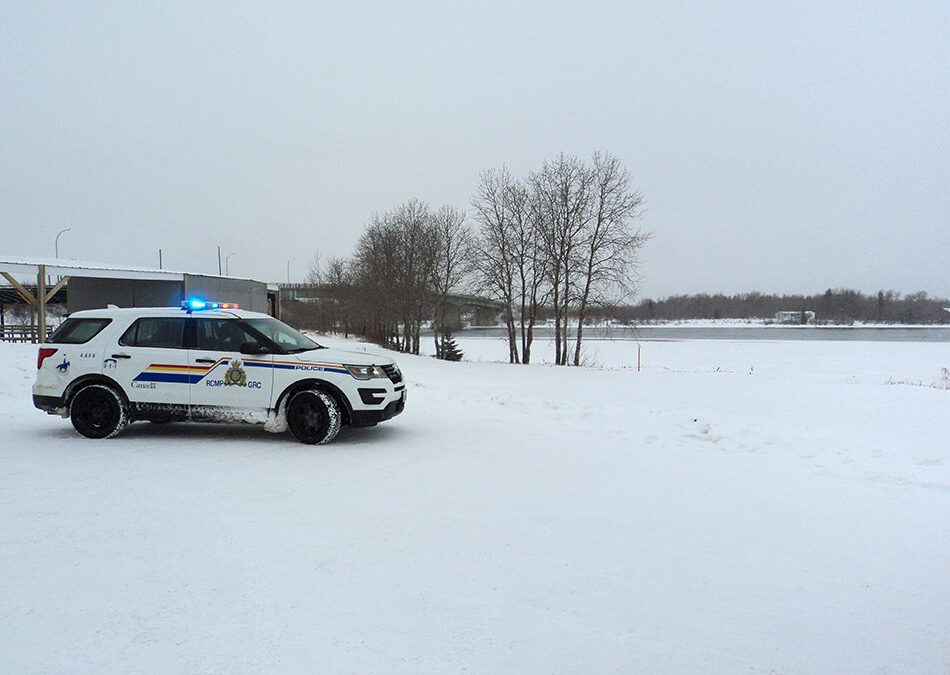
[[44, 353]]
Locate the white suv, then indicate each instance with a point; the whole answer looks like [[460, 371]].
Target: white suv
[[208, 362]]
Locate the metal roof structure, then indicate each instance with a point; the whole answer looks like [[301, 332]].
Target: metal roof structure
[[84, 268]]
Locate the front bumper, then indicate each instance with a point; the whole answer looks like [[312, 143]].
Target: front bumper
[[370, 418]]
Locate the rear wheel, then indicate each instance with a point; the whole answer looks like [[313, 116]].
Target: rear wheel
[[98, 411], [313, 417]]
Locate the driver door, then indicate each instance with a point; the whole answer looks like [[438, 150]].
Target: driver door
[[235, 384]]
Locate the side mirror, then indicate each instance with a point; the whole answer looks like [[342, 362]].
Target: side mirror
[[252, 348]]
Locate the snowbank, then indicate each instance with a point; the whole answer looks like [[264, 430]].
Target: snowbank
[[689, 518]]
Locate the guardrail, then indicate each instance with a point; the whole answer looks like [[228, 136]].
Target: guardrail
[[21, 333]]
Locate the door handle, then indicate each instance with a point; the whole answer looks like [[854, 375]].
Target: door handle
[[205, 361], [122, 356]]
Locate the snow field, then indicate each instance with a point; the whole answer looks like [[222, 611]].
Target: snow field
[[513, 519]]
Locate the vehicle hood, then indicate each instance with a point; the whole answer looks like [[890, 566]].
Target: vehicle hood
[[343, 357]]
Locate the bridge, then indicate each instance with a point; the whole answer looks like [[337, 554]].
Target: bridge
[[482, 311]]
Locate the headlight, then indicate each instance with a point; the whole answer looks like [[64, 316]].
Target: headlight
[[366, 372]]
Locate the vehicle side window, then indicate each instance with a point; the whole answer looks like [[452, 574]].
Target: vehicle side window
[[155, 332], [78, 331], [222, 335]]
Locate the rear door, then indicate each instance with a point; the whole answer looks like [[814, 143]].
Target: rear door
[[150, 361], [235, 385]]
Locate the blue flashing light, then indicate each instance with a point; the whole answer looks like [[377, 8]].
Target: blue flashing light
[[197, 303]]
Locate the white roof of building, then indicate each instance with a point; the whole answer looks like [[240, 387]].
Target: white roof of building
[[85, 268]]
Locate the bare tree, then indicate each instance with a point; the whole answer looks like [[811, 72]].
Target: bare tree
[[337, 289], [452, 265], [563, 197], [314, 269], [406, 263], [609, 242], [373, 267], [531, 263], [394, 266], [417, 254], [496, 246]]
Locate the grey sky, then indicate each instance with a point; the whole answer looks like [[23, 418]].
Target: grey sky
[[779, 147]]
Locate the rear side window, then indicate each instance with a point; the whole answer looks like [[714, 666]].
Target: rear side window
[[78, 331], [168, 333]]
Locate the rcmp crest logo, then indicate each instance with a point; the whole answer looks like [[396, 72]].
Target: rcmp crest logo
[[235, 375]]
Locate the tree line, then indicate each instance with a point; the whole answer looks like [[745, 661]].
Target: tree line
[[834, 306], [562, 242]]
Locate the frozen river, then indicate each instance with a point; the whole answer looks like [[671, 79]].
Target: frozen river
[[751, 332]]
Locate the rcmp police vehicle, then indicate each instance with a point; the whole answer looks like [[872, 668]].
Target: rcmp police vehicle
[[208, 362]]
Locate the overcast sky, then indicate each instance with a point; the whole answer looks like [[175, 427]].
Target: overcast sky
[[782, 148]]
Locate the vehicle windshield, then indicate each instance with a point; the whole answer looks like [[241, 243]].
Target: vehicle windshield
[[283, 335]]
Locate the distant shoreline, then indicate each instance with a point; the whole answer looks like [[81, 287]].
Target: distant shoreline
[[733, 331], [728, 323]]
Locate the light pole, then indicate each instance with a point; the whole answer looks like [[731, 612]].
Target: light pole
[[226, 266], [288, 269], [56, 242]]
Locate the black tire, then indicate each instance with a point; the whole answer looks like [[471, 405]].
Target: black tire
[[98, 411], [313, 417]]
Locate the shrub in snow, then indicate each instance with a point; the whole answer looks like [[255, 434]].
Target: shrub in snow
[[447, 349]]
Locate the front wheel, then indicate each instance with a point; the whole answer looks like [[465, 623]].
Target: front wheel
[[313, 417], [98, 411]]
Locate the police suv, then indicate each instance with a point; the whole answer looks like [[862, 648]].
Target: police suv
[[208, 362]]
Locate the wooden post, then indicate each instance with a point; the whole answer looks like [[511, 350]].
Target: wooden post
[[37, 303], [55, 289], [638, 357], [20, 288], [41, 303]]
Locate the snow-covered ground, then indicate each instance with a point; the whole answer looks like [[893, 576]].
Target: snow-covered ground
[[692, 517]]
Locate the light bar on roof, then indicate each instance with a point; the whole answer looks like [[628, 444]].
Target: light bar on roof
[[198, 304]]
